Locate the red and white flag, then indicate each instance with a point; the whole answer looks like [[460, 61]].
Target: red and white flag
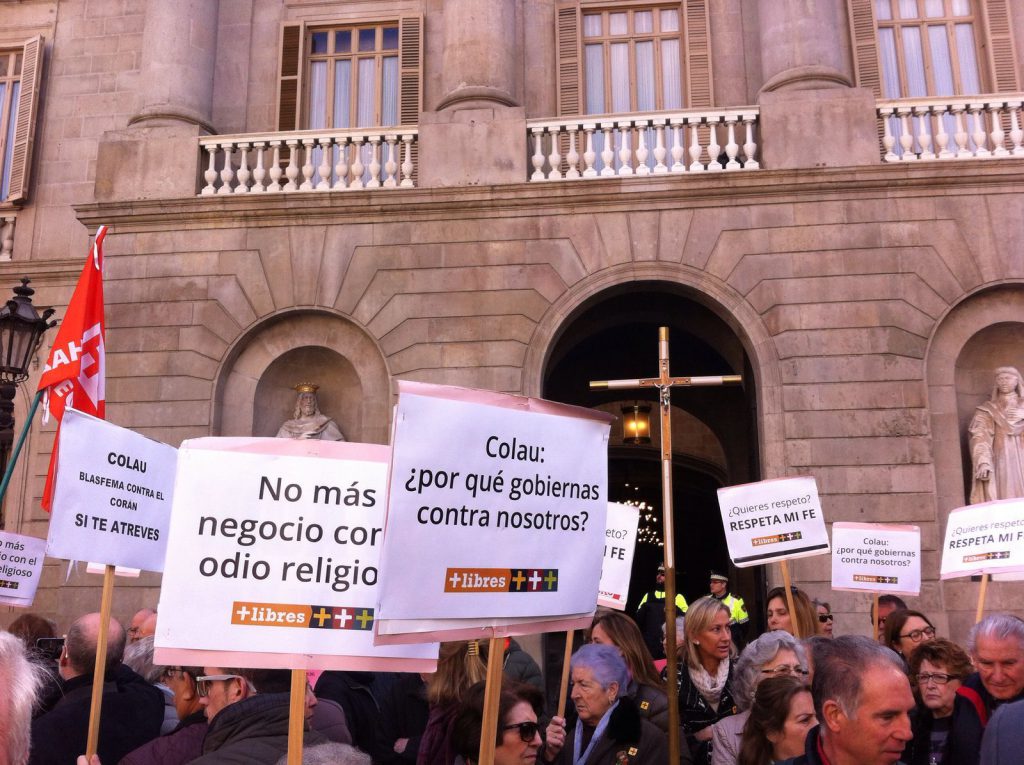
[[76, 368]]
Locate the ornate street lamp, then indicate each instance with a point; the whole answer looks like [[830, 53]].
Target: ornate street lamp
[[636, 424], [21, 331]]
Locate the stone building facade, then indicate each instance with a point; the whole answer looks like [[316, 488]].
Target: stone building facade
[[514, 194]]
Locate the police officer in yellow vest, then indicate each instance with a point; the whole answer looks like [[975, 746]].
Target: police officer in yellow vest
[[650, 614], [738, 617]]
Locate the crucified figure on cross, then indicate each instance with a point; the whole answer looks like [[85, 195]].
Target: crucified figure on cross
[[664, 383]]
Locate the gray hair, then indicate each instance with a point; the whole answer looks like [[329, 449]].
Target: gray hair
[[839, 666], [747, 672], [605, 662], [998, 626], [330, 753], [21, 685], [680, 626], [138, 656]]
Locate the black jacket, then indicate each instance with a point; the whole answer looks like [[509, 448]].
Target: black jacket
[[628, 740], [963, 744], [354, 691], [251, 731], [132, 713], [695, 713], [403, 714]]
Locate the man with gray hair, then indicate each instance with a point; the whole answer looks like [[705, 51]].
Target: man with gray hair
[[862, 699], [21, 683], [996, 645]]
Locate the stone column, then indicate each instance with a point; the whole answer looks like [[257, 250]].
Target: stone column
[[811, 115], [157, 156], [478, 59], [179, 43], [476, 133], [805, 44]]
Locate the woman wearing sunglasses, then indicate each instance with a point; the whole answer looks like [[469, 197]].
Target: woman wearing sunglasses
[[825, 618], [518, 736], [947, 727], [609, 730]]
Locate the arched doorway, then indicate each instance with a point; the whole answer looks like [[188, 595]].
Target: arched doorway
[[614, 335]]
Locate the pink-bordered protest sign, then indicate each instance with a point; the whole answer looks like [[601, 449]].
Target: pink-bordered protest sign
[[875, 557], [273, 558], [496, 515], [986, 538]]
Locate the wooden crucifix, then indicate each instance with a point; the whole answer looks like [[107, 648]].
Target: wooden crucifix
[[664, 382]]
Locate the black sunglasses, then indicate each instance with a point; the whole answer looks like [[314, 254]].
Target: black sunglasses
[[825, 618], [527, 730]]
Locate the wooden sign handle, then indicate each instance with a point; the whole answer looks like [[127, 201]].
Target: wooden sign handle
[[876, 616], [564, 688], [492, 693], [981, 598], [99, 669], [296, 716], [787, 584]]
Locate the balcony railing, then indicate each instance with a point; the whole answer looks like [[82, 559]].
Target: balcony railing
[[601, 146], [309, 160], [954, 127]]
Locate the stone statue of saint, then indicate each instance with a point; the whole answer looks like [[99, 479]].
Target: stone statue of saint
[[997, 440], [307, 421]]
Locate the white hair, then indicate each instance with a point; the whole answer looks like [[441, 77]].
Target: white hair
[[21, 685]]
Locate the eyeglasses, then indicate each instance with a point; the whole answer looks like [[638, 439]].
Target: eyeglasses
[[527, 730], [825, 618], [785, 669], [203, 683], [173, 673], [916, 635], [939, 678]]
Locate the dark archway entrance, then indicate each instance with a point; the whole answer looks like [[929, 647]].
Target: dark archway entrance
[[615, 336]]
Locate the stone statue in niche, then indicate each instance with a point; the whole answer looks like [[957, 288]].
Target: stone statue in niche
[[996, 435], [307, 421]]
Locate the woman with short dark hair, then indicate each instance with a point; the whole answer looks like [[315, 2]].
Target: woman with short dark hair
[[518, 736]]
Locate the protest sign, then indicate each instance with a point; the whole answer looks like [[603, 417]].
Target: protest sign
[[496, 511], [273, 557], [871, 557], [773, 520], [619, 546], [21, 565], [987, 538], [113, 495]]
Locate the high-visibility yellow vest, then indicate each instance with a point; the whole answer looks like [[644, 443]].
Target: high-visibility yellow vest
[[737, 609], [660, 595]]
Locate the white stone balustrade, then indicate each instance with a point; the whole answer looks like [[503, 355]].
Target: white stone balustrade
[[309, 160], [596, 146], [955, 127]]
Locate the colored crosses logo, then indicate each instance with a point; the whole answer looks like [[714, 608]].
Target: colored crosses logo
[[1001, 555], [8, 584], [870, 578], [315, 617], [501, 580], [789, 536]]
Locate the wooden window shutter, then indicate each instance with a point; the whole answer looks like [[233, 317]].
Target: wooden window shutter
[[867, 69], [289, 83], [569, 71], [1002, 55], [697, 44], [25, 126], [410, 65]]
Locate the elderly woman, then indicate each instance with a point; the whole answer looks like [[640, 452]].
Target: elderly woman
[[705, 674], [646, 688], [946, 725], [609, 730], [518, 735], [774, 654]]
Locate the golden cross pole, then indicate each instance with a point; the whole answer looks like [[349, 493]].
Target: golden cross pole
[[664, 382]]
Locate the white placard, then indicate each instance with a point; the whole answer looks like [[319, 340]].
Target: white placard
[[871, 557], [987, 538], [619, 547], [773, 520], [273, 556], [112, 499], [496, 508], [21, 565]]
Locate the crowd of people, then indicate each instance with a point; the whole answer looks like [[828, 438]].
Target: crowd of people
[[798, 694]]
